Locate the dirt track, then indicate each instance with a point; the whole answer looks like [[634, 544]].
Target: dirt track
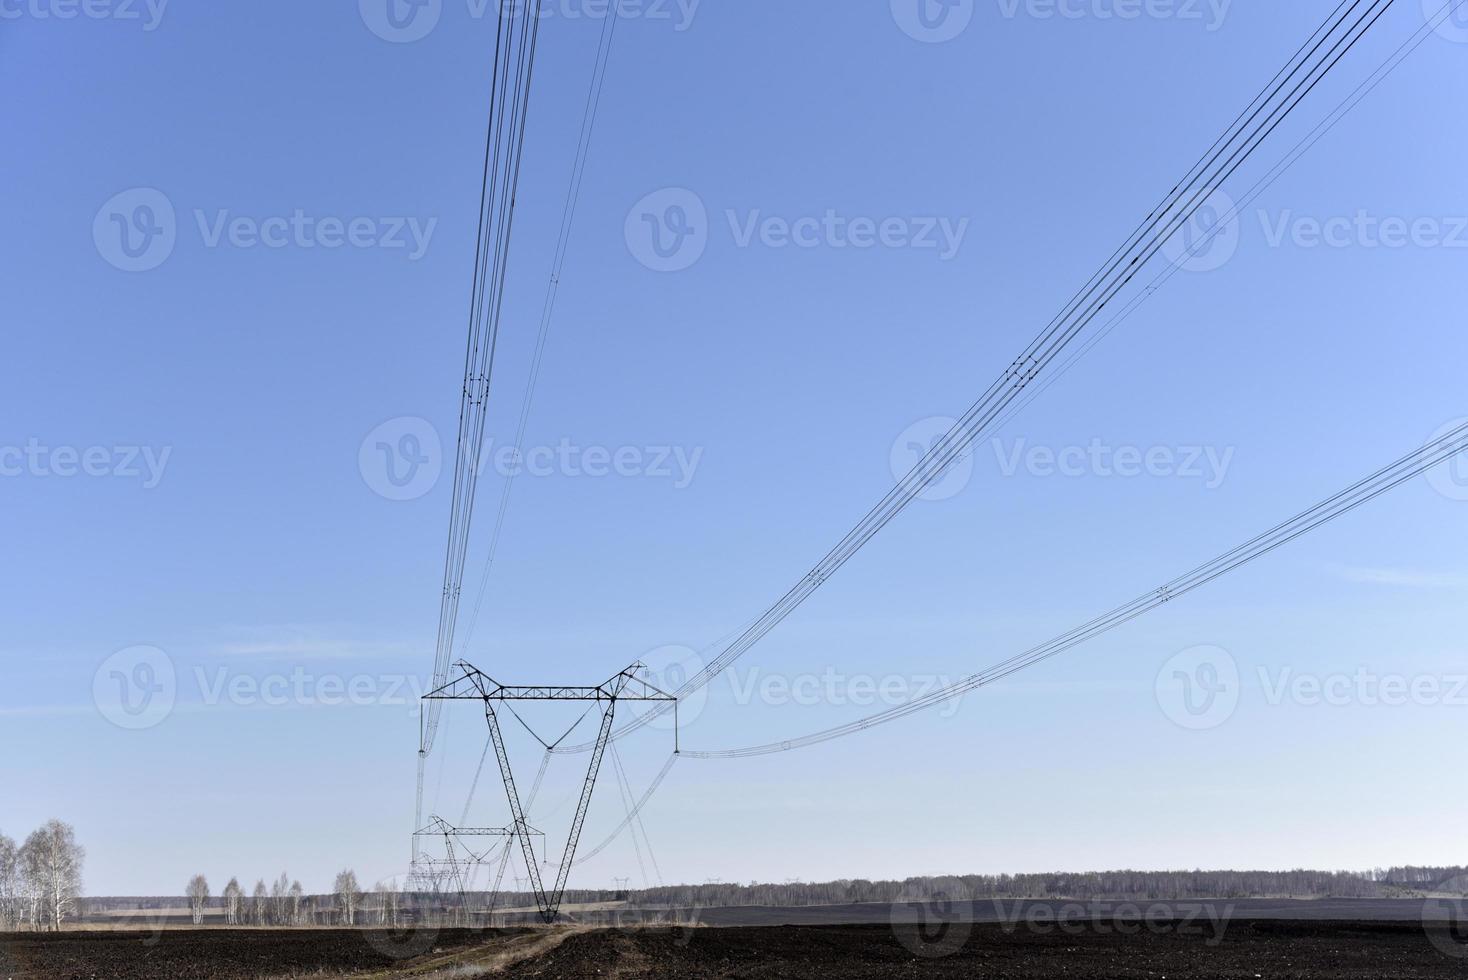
[[1244, 950]]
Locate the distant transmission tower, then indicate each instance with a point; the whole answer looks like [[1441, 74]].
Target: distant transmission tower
[[471, 684]]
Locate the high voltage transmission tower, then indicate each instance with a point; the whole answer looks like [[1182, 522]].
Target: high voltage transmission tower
[[471, 684]]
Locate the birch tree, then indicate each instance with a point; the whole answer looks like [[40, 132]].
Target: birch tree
[[348, 895], [280, 892], [198, 893], [10, 900], [233, 895], [53, 863], [258, 903], [297, 893]]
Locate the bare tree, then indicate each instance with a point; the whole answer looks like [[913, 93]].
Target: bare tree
[[10, 893], [52, 863], [280, 892], [386, 904], [198, 894], [297, 893], [348, 895], [259, 907], [233, 896]]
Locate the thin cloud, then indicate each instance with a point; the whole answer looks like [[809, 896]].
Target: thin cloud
[[304, 643], [1407, 578]]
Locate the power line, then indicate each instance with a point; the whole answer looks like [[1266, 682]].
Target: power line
[[1387, 478], [515, 45], [510, 78], [568, 218], [1264, 114]]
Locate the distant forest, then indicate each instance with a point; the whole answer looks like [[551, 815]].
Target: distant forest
[[1403, 882]]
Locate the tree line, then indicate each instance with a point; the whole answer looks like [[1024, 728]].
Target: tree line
[[1118, 885], [40, 880], [285, 903]]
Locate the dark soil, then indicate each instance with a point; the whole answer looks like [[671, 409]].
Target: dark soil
[[1090, 950], [218, 954], [1271, 950]]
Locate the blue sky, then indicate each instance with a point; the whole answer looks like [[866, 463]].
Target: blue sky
[[191, 463]]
